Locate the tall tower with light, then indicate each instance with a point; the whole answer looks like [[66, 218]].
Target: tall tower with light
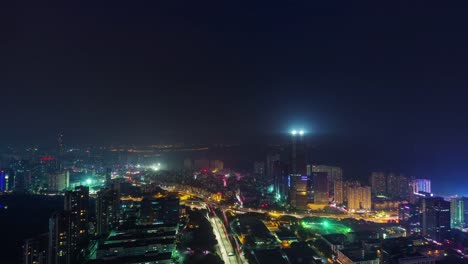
[[298, 152], [297, 179]]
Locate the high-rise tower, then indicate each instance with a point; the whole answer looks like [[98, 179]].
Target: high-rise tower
[[298, 153], [60, 144], [77, 203], [435, 217]]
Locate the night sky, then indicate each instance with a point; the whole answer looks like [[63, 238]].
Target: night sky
[[381, 85]]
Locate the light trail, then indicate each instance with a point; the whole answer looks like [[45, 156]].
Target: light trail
[[223, 241]]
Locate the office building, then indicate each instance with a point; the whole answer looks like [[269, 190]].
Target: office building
[[378, 183], [298, 192], [435, 217], [77, 204], [359, 198], [321, 188], [459, 213], [107, 211]]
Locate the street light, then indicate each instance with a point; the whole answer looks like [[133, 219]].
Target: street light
[[294, 132]]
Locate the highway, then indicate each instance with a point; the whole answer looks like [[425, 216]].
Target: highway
[[228, 253]]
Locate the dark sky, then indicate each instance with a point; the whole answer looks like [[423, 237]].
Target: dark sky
[[384, 82]]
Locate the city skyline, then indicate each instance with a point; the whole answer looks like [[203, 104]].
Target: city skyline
[[389, 93], [224, 132]]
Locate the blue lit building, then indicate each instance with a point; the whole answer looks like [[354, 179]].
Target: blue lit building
[[3, 181]]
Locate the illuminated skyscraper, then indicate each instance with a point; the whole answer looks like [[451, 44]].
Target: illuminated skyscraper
[[77, 203], [459, 212], [421, 185], [435, 217], [359, 198], [298, 153], [107, 211], [3, 181]]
